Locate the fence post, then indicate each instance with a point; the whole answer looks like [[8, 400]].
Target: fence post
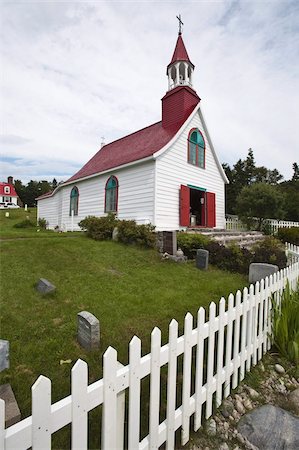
[[134, 393]]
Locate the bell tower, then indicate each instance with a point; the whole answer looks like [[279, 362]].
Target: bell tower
[[181, 98]]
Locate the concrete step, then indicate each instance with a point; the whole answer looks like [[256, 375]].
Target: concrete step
[[242, 238]]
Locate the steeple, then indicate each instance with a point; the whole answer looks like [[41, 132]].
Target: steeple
[[180, 68], [181, 98]]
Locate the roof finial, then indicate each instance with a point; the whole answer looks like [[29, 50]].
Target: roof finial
[[180, 24]]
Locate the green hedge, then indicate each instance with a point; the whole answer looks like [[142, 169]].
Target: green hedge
[[290, 235]]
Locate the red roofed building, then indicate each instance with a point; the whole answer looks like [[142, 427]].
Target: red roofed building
[[166, 174], [8, 195]]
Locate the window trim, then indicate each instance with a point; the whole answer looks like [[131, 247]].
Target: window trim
[[6, 189], [197, 149], [116, 200], [77, 203]]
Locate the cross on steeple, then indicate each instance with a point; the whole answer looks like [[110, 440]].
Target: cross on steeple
[[180, 24]]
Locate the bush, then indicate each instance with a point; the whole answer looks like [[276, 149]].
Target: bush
[[286, 324], [25, 224], [42, 223], [189, 243], [290, 235], [270, 251], [131, 233], [99, 228]]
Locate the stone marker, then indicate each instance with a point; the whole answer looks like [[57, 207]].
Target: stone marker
[[4, 354], [45, 287], [12, 411], [88, 330], [269, 427], [202, 259], [258, 271], [115, 234]]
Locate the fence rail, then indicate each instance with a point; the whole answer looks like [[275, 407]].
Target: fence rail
[[234, 338]]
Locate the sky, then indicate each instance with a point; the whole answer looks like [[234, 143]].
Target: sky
[[74, 72]]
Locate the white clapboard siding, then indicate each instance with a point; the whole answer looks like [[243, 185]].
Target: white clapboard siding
[[135, 198], [246, 325], [173, 169]]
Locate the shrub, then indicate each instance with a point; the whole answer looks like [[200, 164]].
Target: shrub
[[189, 243], [290, 235], [99, 228], [42, 223], [270, 251], [25, 224], [285, 323], [131, 233]]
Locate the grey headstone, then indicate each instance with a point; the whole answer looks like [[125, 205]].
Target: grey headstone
[[4, 354], [202, 259], [115, 234], [44, 286], [270, 427], [258, 271], [88, 330], [12, 411]]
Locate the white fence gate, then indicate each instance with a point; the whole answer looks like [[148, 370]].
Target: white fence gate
[[235, 337]]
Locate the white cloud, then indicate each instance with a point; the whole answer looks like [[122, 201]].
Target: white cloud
[[75, 71]]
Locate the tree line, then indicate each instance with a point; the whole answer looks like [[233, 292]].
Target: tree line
[[260, 192], [27, 193]]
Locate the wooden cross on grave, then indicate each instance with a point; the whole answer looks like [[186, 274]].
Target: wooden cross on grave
[[180, 23]]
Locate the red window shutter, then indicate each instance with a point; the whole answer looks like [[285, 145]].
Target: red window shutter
[[184, 206], [211, 209]]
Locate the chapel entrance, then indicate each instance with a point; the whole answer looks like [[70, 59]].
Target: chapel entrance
[[197, 207]]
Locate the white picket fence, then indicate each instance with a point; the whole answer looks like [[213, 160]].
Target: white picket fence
[[292, 253], [233, 223], [234, 338]]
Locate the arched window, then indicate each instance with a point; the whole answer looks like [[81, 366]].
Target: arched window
[[74, 201], [111, 194], [196, 148]]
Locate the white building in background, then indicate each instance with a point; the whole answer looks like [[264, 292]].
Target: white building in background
[[167, 174]]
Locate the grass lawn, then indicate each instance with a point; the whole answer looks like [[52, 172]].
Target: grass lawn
[[130, 290]]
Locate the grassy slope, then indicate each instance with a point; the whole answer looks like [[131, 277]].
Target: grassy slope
[[129, 289]]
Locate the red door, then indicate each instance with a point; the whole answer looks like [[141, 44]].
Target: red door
[[211, 209], [184, 206]]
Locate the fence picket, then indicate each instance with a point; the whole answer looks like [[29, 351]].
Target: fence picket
[[236, 340], [266, 314], [186, 378], [255, 323], [243, 332], [79, 405], [250, 327], [199, 368], [171, 384], [155, 389], [261, 320], [220, 352], [210, 368], [2, 423], [120, 416], [110, 400], [228, 352], [134, 393], [41, 414]]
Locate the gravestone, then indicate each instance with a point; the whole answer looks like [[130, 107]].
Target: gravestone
[[170, 245], [12, 411], [4, 354], [202, 259], [258, 271], [88, 333], [45, 287]]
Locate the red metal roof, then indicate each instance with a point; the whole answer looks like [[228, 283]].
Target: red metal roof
[[180, 52], [12, 192], [135, 146]]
